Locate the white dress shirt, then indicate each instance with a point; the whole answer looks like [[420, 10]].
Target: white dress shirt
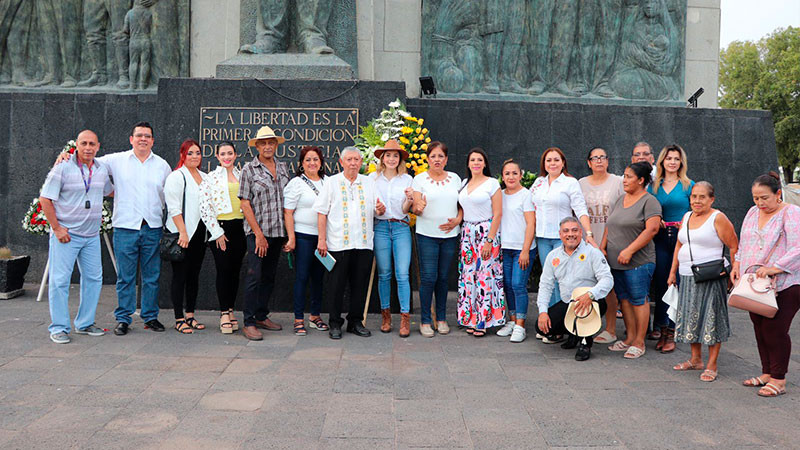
[[555, 201], [392, 193], [173, 195], [138, 188], [350, 208]]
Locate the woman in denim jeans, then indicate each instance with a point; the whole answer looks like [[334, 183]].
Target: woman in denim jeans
[[299, 196], [393, 233], [517, 228], [438, 220], [672, 188], [628, 243]]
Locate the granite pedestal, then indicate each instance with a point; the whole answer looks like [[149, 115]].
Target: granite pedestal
[[286, 66]]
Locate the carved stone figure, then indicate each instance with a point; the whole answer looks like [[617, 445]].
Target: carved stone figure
[[310, 26], [68, 14], [552, 37], [503, 33], [47, 29], [137, 26], [15, 21], [101, 17], [456, 57], [649, 55], [598, 35]]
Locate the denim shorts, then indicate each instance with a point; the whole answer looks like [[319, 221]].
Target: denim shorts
[[633, 285]]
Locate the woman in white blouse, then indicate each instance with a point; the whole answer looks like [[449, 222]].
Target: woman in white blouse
[[182, 196], [438, 219], [220, 209], [299, 196], [481, 300], [393, 233], [556, 194]]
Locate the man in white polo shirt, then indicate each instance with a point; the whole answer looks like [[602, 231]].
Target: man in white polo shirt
[[72, 201]]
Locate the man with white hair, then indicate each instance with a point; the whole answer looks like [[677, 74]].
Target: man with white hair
[[346, 206]]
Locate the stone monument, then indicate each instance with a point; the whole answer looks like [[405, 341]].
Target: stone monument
[[296, 39], [41, 43], [552, 50]]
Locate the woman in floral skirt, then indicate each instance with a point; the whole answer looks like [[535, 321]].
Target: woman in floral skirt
[[481, 300]]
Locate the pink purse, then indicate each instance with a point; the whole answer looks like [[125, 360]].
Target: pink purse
[[753, 294], [756, 295]]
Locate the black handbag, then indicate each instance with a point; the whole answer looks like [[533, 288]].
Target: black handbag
[[708, 271], [169, 248]]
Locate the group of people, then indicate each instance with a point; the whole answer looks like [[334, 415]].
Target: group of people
[[604, 243]]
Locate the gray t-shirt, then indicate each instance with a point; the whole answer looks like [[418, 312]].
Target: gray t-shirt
[[599, 200], [625, 225]]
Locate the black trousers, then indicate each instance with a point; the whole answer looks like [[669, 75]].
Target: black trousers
[[352, 268], [186, 273], [229, 262], [260, 278], [557, 313]]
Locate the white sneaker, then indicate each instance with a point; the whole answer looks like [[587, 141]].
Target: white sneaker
[[506, 330], [555, 339], [539, 336], [519, 334]]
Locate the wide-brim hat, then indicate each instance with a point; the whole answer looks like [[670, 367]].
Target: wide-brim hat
[[392, 145], [583, 326], [265, 133]]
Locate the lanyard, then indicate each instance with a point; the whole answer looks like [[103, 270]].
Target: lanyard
[[86, 184]]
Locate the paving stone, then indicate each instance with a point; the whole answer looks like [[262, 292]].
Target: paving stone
[[127, 378], [289, 424], [74, 377], [138, 423], [244, 382], [84, 419], [41, 363], [502, 420], [344, 423], [436, 434], [251, 366], [47, 439], [146, 362], [260, 441], [204, 364], [233, 400], [185, 380], [39, 395], [515, 440], [356, 444], [19, 417]]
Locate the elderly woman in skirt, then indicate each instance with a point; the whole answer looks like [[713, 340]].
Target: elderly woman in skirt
[[702, 317]]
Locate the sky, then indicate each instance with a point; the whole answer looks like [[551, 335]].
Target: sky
[[750, 20]]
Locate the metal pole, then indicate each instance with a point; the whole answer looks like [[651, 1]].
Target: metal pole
[[369, 293], [44, 280]]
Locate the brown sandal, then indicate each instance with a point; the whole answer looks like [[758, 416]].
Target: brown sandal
[[669, 341], [688, 365]]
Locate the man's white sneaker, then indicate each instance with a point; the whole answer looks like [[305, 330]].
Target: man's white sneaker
[[518, 335], [506, 330]]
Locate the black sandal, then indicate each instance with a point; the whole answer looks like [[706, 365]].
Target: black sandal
[[479, 333], [192, 322], [470, 330], [299, 328], [182, 327], [318, 324]]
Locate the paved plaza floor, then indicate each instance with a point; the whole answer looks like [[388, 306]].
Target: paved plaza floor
[[208, 390]]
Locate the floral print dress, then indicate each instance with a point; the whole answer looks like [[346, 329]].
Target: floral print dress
[[481, 299]]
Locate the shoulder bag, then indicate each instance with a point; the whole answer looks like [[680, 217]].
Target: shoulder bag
[[753, 294], [707, 271], [169, 248]]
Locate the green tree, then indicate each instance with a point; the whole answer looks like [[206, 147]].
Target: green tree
[[766, 75]]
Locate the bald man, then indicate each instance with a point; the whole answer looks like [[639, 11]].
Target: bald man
[[72, 201]]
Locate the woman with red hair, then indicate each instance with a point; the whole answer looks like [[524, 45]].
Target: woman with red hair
[[182, 196]]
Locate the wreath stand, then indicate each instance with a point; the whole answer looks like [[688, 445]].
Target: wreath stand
[[47, 266]]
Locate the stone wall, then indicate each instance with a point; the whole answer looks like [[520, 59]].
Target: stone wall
[[389, 50]]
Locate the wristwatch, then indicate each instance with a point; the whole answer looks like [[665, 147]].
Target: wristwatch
[[591, 296], [490, 240], [589, 234]]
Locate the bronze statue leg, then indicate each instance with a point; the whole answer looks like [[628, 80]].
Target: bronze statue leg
[[95, 21], [565, 19], [17, 42], [540, 18], [513, 32], [116, 14], [68, 15], [274, 37], [492, 32], [312, 25], [48, 30]]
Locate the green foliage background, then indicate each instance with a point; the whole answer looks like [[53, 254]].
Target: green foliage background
[[766, 75]]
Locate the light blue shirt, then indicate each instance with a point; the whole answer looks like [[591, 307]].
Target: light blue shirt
[[584, 268], [66, 187]]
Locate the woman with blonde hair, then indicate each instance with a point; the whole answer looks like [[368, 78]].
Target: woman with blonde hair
[[672, 188]]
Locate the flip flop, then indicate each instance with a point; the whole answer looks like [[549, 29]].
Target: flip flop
[[619, 346], [754, 382], [633, 353], [605, 338], [708, 375], [771, 390], [688, 365]]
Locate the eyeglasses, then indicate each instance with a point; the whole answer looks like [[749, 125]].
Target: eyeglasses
[[598, 158], [142, 135]]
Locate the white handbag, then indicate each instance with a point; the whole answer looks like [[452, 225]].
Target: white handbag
[[756, 295]]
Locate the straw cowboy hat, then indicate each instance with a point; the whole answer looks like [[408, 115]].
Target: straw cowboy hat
[[265, 133], [392, 145], [583, 326]]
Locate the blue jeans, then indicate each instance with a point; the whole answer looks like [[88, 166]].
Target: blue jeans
[[665, 246], [137, 248], [308, 268], [633, 285], [435, 258], [515, 282], [393, 242], [85, 250], [545, 246]]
